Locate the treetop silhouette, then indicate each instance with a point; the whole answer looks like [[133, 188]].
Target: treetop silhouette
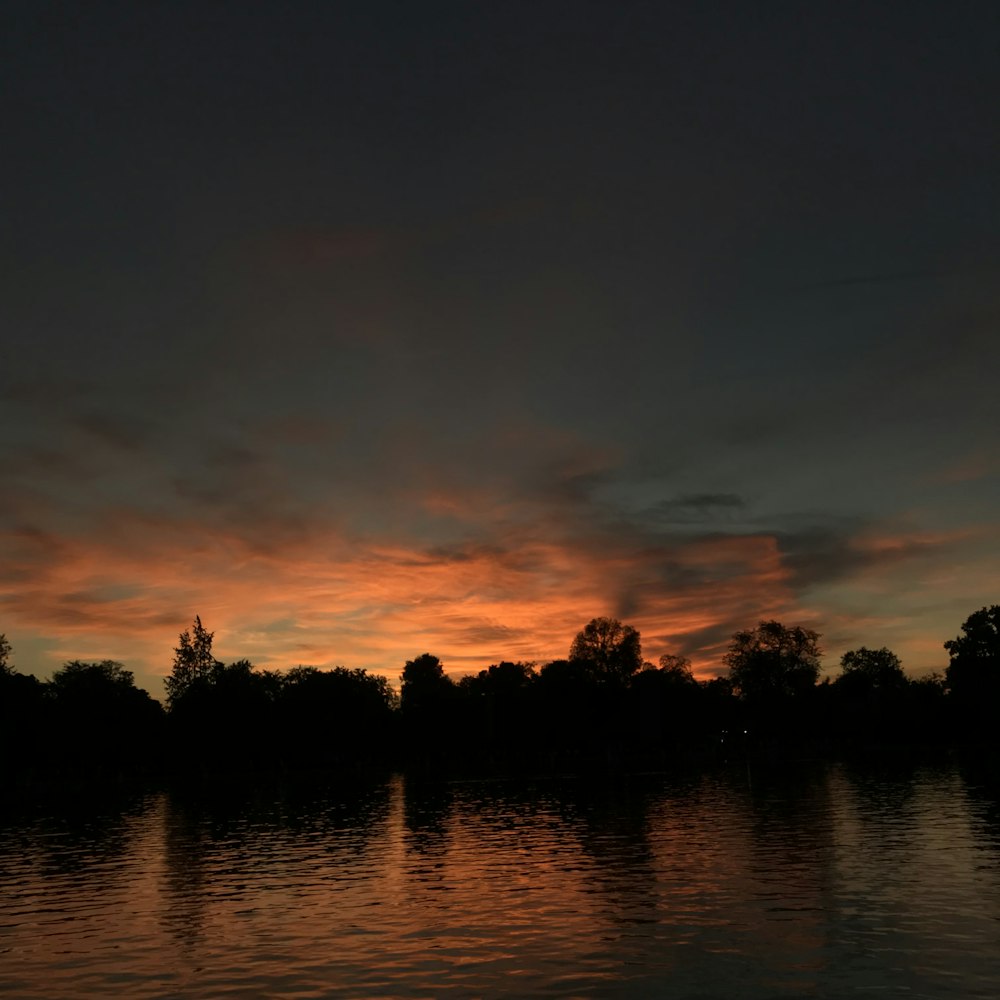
[[611, 651], [973, 673], [871, 669], [194, 663], [773, 660]]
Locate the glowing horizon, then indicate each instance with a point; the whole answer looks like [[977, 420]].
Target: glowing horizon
[[519, 591]]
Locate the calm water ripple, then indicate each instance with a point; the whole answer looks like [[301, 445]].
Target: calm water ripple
[[822, 882]]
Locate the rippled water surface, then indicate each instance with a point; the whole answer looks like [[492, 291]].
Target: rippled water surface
[[817, 881]]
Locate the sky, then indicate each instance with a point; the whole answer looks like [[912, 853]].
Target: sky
[[364, 330]]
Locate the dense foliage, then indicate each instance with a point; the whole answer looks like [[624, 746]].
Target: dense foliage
[[602, 706], [973, 675]]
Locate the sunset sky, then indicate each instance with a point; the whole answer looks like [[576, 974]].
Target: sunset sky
[[370, 329]]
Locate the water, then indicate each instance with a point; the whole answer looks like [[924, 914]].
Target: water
[[820, 881]]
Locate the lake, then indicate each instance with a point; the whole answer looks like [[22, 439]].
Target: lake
[[806, 880]]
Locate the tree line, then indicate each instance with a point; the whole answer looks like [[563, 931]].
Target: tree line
[[602, 705]]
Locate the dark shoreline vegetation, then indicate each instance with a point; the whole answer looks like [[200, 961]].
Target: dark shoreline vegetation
[[601, 708]]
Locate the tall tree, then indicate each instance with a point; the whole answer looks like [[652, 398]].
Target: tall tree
[[426, 700], [973, 673], [194, 663], [773, 660], [23, 711], [612, 651], [422, 684]]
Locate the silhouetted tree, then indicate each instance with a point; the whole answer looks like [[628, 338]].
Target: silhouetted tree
[[500, 680], [101, 718], [498, 709], [571, 708], [610, 650], [974, 668], [772, 660], [871, 669], [869, 701], [93, 680], [508, 677], [221, 715], [592, 689], [227, 718], [422, 682], [666, 703], [719, 694], [194, 663], [23, 736], [233, 713], [973, 673], [426, 699], [773, 670], [927, 713], [677, 669], [334, 717]]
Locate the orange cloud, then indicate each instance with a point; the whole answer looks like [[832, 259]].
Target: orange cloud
[[472, 574], [521, 591]]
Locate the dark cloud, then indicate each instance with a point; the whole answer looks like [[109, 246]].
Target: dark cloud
[[127, 431], [248, 492], [571, 482], [466, 552], [34, 540], [697, 507], [823, 555], [702, 501], [479, 632]]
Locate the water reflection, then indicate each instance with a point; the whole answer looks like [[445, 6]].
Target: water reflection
[[982, 783], [816, 881], [427, 811], [185, 895], [235, 849]]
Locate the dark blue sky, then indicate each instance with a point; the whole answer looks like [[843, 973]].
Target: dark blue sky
[[364, 329]]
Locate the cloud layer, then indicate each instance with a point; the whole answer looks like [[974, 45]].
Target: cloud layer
[[296, 552]]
